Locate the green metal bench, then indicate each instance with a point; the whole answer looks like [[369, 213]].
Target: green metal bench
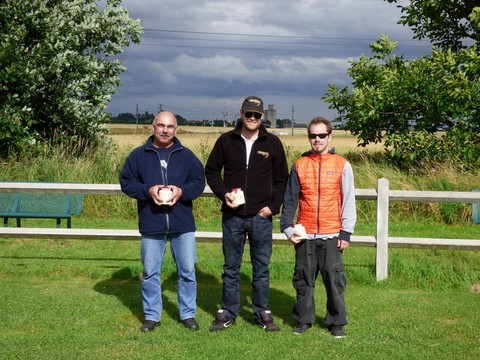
[[45, 206], [476, 211]]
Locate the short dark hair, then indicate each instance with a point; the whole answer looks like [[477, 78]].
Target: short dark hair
[[320, 120]]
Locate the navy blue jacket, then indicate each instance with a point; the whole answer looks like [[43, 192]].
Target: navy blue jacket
[[142, 170]]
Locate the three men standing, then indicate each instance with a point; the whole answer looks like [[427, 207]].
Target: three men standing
[[251, 162]]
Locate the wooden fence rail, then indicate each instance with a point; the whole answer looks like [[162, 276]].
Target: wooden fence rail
[[383, 195]]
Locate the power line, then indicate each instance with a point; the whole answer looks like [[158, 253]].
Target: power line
[[275, 43], [294, 37], [356, 50], [245, 41]]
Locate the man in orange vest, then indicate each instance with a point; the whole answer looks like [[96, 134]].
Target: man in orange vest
[[321, 186]]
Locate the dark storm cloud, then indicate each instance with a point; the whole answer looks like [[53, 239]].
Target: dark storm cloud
[[201, 58]]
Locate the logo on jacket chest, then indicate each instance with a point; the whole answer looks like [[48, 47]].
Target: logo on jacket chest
[[265, 154]]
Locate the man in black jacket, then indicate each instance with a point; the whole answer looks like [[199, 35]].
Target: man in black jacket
[[252, 160]]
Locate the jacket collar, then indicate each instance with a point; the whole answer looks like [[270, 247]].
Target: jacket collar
[[176, 144], [262, 130], [311, 153]]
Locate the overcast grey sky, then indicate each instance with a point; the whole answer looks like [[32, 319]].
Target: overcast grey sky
[[201, 58]]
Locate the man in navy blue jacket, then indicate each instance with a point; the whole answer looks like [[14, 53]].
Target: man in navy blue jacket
[[164, 164]]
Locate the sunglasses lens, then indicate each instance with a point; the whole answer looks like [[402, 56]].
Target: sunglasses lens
[[249, 114], [314, 136]]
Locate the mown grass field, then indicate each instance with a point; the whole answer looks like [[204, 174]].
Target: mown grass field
[[191, 136]]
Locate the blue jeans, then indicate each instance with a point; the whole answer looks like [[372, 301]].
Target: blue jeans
[[183, 249], [259, 231]]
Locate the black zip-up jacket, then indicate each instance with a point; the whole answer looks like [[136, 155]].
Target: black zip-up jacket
[[263, 182]]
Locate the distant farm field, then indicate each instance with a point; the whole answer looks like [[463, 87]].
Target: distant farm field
[[126, 135]]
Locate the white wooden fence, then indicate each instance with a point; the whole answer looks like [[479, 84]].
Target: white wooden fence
[[383, 195]]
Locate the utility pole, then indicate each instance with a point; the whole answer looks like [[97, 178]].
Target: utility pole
[[136, 118], [225, 113], [293, 118]]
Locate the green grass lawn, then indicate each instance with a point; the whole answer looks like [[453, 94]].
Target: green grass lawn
[[81, 300]]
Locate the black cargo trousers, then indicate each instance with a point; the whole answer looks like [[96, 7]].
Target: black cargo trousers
[[314, 256]]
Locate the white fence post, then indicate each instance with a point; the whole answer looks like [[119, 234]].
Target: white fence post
[[382, 229]]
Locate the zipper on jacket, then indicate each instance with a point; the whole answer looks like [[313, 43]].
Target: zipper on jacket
[[318, 197], [165, 180], [245, 191]]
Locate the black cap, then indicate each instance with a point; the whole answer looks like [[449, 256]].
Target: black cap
[[253, 103]]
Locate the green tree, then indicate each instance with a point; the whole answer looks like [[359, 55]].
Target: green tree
[[449, 24], [405, 102], [56, 76], [181, 121], [123, 118]]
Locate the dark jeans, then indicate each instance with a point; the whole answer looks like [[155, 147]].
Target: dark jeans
[[311, 258], [259, 231]]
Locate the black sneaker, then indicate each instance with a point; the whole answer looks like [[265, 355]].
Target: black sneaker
[[191, 324], [301, 328], [337, 331], [222, 321], [266, 321], [148, 326]]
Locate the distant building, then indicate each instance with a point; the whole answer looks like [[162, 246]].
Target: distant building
[[271, 115]]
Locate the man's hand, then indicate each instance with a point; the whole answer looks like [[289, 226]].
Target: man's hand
[[153, 191], [176, 191], [296, 238], [177, 194], [229, 199], [265, 212], [342, 244]]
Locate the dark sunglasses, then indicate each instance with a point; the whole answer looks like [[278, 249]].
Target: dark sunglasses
[[249, 114], [314, 136]]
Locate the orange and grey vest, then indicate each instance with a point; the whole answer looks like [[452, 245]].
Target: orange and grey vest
[[320, 201]]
